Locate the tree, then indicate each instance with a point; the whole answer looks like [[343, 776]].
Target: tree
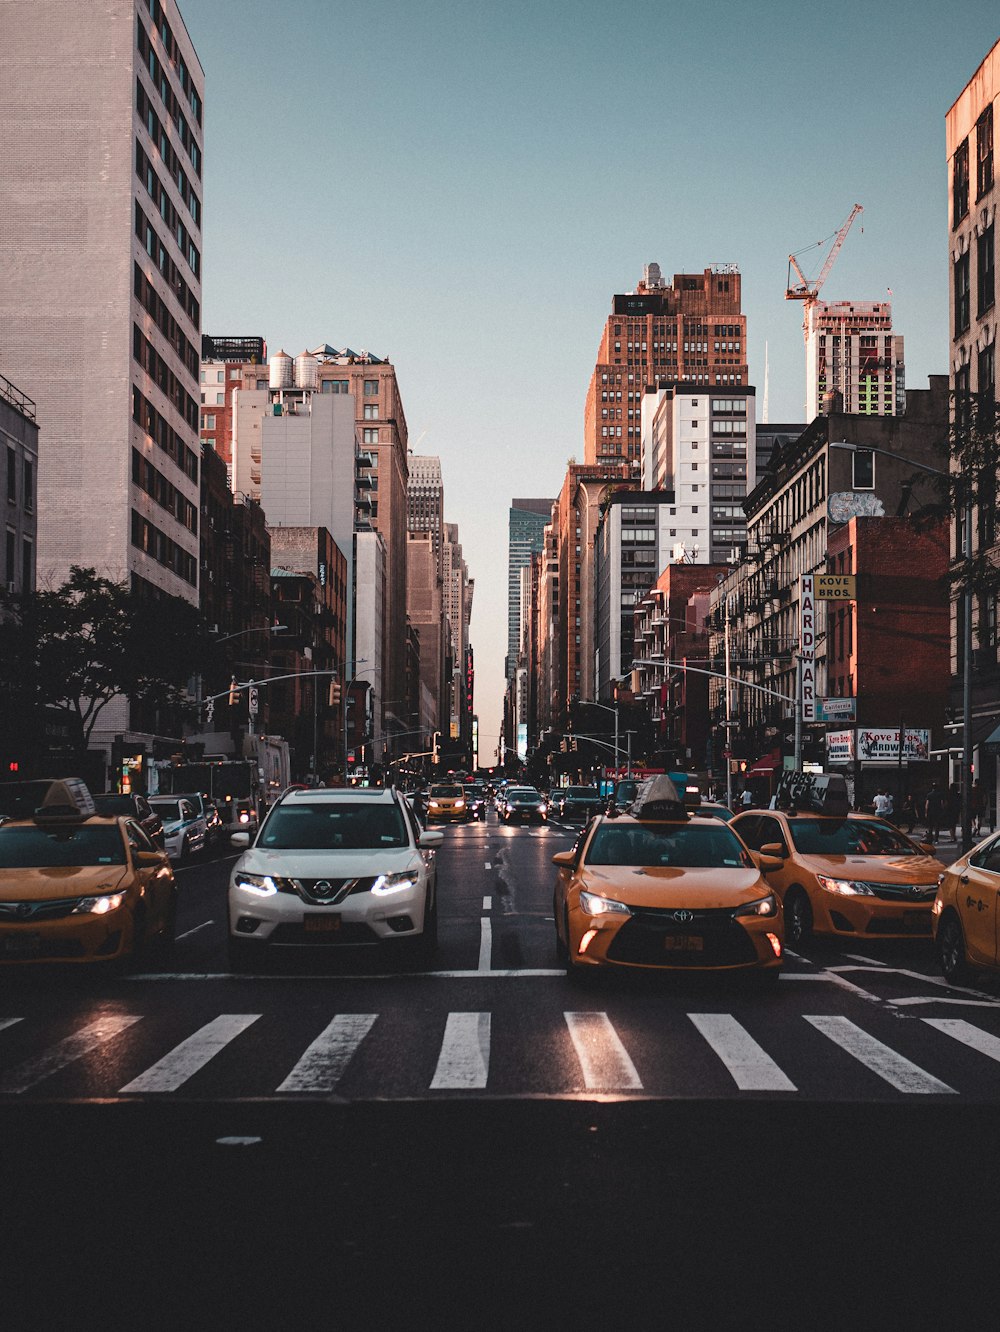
[[81, 645]]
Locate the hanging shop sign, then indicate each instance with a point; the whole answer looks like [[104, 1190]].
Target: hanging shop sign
[[877, 746], [836, 587]]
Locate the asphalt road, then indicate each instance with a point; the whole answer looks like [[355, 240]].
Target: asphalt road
[[338, 1142]]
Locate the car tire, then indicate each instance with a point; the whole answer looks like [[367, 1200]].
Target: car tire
[[950, 945], [798, 917], [242, 956]]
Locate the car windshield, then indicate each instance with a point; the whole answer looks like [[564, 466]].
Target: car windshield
[[446, 792], [835, 837], [524, 793], [170, 810], [685, 845], [329, 826], [32, 848], [114, 804], [582, 793]]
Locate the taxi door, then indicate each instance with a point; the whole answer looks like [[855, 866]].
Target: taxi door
[[976, 899], [154, 886]]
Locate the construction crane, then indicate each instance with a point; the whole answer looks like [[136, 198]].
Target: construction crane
[[806, 289]]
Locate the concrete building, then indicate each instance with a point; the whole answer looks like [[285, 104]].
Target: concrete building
[[701, 448], [457, 590], [19, 442], [690, 333], [426, 615], [227, 364], [526, 521], [425, 496], [970, 129], [852, 352], [100, 304]]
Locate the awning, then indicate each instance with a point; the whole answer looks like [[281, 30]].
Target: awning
[[992, 741], [765, 766]]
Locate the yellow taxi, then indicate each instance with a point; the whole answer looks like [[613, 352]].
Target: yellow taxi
[[448, 803], [663, 888], [966, 913], [78, 888], [838, 873]]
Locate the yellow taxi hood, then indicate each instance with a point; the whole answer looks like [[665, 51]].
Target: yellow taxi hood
[[48, 882], [675, 886], [877, 869]]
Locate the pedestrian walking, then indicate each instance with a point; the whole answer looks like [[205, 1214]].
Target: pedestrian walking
[[977, 805], [935, 811], [908, 813], [883, 804], [747, 800]]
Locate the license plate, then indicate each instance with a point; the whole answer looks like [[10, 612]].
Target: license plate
[[321, 924], [684, 943], [20, 945]]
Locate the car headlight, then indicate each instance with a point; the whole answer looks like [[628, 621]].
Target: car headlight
[[764, 906], [846, 887], [432, 804], [594, 905], [262, 884], [394, 883], [98, 906], [459, 804], [244, 816]]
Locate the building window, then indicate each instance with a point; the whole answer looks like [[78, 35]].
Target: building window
[[369, 436], [984, 153], [863, 470], [11, 476], [207, 422], [960, 183], [371, 388], [11, 571], [371, 411], [985, 271], [27, 565], [986, 375], [962, 302], [28, 482]]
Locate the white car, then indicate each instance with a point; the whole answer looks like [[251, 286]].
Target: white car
[[185, 831], [331, 868]]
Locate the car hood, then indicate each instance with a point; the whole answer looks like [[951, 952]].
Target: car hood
[[50, 882], [877, 869], [669, 886], [335, 864]]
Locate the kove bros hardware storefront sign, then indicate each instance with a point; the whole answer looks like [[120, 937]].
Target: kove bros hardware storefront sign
[[877, 746], [807, 647], [835, 587]]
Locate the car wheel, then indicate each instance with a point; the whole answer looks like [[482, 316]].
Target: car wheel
[[951, 952], [798, 917], [242, 956]]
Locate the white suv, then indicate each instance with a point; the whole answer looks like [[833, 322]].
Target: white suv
[[332, 868]]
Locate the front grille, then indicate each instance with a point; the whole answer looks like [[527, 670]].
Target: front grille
[[350, 932], [30, 913], [643, 939], [903, 892], [336, 892]]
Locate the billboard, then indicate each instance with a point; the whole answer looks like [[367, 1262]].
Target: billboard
[[522, 740], [877, 745]]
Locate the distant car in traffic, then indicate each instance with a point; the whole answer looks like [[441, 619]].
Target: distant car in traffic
[[184, 829], [577, 803], [446, 803], [132, 805], [966, 914], [524, 804]]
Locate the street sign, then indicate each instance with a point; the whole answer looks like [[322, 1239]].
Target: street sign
[[253, 700], [835, 587], [835, 709]]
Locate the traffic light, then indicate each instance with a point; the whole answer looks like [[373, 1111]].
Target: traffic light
[[574, 746], [435, 750], [564, 745], [234, 693], [334, 693]]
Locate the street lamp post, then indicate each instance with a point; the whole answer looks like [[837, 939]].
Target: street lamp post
[[966, 487], [587, 703]]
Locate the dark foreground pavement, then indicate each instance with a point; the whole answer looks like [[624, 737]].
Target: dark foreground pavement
[[496, 1214]]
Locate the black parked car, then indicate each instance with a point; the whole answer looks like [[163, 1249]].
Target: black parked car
[[112, 804], [578, 803]]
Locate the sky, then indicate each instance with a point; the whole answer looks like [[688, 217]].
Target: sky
[[462, 189]]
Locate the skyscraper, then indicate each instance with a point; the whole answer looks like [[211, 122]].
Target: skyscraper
[[100, 304], [692, 333], [852, 351], [526, 530]]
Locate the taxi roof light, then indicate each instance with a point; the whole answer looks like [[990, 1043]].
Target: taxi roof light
[[658, 800], [813, 793], [67, 800]]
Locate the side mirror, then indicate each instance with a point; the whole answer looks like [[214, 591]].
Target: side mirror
[[240, 839], [928, 848], [774, 851], [564, 859], [150, 857], [765, 863], [430, 838]]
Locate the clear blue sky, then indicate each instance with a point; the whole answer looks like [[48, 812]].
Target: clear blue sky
[[462, 189]]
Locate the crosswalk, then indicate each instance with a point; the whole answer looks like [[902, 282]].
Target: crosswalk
[[584, 1053]]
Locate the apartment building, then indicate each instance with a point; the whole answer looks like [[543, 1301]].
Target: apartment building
[[853, 359]]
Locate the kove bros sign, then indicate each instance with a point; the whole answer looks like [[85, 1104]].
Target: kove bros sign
[[876, 745]]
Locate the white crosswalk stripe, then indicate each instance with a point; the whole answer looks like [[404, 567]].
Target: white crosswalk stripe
[[605, 1061], [464, 1061], [9, 1022], [894, 1068], [751, 1067], [324, 1062], [66, 1051], [174, 1069], [969, 1035]]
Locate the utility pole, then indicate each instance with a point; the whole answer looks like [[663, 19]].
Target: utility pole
[[729, 717]]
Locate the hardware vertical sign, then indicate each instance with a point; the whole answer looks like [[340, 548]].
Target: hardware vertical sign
[[807, 646]]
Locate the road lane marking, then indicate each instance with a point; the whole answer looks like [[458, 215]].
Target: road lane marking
[[487, 903], [488, 865], [327, 977], [66, 1051], [203, 926], [9, 1022], [464, 1061], [752, 1069], [324, 1061], [485, 943], [915, 999], [860, 957], [186, 1059], [893, 1068], [603, 1058], [968, 1035]]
